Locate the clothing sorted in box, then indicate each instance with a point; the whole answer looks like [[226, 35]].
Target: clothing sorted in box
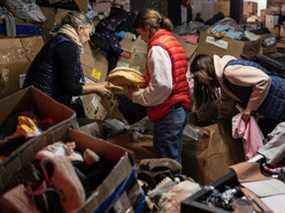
[[26, 9], [20, 127], [62, 178], [228, 27], [164, 185]]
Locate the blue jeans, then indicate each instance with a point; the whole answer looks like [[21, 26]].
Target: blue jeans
[[168, 132]]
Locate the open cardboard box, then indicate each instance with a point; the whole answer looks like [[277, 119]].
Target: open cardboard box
[[31, 99], [227, 46], [195, 202], [120, 180]]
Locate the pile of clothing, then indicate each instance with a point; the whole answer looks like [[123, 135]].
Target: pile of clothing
[[110, 31], [274, 153], [227, 27], [164, 185], [69, 5], [10, 21], [222, 199], [19, 128], [26, 9], [229, 199], [62, 179]]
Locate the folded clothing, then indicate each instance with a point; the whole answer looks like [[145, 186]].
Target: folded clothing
[[126, 77]]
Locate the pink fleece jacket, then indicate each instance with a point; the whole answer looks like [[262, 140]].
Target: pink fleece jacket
[[250, 133]]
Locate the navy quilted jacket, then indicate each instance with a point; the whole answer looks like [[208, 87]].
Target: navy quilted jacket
[[57, 70]]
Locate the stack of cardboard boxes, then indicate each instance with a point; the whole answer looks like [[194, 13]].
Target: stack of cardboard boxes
[[249, 8], [272, 16], [223, 6]]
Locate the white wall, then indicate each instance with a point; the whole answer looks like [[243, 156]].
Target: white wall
[[262, 4]]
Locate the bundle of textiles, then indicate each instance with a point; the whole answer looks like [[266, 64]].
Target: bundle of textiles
[[223, 199], [152, 171], [122, 78], [273, 151], [164, 185], [227, 27], [62, 179], [19, 128]]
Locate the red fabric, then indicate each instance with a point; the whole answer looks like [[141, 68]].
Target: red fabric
[[180, 90]]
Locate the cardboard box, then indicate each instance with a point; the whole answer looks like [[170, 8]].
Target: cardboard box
[[271, 21], [26, 100], [223, 6], [93, 107], [82, 4], [141, 148], [95, 68], [49, 23], [196, 202], [205, 7], [121, 179], [15, 57], [138, 49], [227, 46], [95, 64], [189, 48], [54, 17], [249, 8]]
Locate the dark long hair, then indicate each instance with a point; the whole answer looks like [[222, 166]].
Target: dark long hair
[[205, 83]]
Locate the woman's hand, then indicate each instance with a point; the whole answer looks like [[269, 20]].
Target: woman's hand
[[116, 89], [126, 54], [102, 89], [246, 115], [120, 90]]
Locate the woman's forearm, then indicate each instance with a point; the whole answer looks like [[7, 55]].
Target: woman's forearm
[[89, 88]]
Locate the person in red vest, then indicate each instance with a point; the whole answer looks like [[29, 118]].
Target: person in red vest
[[166, 94]]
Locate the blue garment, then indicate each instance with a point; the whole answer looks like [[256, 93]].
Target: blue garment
[[120, 34], [273, 107], [229, 31], [168, 132]]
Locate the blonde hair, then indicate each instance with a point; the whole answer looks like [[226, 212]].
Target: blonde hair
[[75, 19], [153, 20]]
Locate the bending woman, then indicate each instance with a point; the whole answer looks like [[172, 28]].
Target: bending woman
[[247, 83]]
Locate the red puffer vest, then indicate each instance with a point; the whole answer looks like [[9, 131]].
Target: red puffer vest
[[180, 88]]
